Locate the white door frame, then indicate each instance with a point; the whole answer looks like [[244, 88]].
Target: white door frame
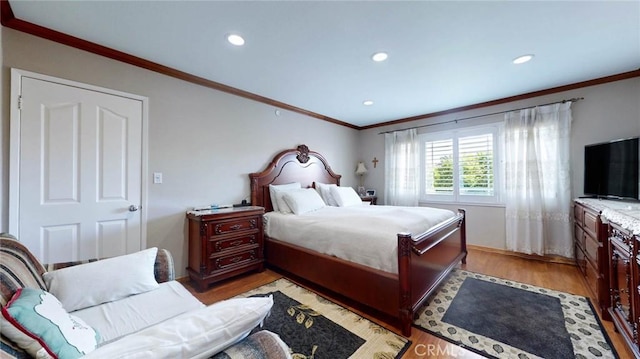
[[14, 144]]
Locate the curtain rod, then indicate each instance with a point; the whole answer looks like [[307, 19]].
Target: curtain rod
[[575, 99]]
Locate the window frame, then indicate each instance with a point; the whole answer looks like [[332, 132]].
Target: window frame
[[496, 129]]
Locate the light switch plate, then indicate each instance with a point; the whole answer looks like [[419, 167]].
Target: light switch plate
[[157, 177]]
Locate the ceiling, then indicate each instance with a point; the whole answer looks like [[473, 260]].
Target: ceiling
[[316, 55]]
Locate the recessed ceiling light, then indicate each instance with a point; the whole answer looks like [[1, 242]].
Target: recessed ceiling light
[[379, 56], [367, 103], [522, 59], [235, 39]]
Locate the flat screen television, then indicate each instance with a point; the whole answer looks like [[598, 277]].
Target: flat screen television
[[611, 169]]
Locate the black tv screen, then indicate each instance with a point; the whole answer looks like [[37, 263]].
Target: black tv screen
[[611, 169]]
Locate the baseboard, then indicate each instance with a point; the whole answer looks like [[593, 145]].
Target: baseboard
[[550, 259]]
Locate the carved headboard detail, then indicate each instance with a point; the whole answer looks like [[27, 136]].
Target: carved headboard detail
[[293, 165]]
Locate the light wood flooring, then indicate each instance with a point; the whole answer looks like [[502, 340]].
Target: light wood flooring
[[562, 277]]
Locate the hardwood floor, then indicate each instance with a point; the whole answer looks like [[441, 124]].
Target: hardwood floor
[[562, 277]]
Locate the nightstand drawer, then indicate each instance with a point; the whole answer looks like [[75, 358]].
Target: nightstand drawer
[[221, 245], [234, 225], [232, 260]]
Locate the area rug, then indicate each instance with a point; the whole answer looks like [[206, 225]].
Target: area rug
[[315, 327], [499, 318]]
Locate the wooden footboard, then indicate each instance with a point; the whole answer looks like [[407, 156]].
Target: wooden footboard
[[424, 261]]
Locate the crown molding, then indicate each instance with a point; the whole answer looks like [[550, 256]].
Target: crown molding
[[577, 85], [8, 19]]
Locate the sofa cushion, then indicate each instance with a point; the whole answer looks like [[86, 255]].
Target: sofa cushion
[[196, 334], [131, 314], [35, 319], [103, 281]]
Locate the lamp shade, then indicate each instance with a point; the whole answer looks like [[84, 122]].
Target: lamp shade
[[361, 169]]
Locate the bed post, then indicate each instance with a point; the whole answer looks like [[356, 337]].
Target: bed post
[[404, 276], [463, 234]]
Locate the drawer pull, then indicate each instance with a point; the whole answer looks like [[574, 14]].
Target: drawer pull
[[235, 259], [235, 227]]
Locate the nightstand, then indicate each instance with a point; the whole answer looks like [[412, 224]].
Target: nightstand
[[372, 199], [224, 243]]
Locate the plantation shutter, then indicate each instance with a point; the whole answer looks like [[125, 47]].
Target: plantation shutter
[[475, 165], [439, 167]]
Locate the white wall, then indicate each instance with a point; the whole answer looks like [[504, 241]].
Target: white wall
[[609, 111], [205, 142]]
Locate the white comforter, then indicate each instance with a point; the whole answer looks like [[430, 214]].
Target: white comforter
[[364, 234]]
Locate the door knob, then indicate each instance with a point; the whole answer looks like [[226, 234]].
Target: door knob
[[133, 208]]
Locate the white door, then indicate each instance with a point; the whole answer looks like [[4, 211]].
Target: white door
[[80, 171]]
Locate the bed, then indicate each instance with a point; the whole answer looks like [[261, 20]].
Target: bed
[[423, 259]]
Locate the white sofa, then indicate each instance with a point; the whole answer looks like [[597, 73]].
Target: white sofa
[[122, 307]]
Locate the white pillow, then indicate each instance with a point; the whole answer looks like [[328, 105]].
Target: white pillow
[[106, 280], [325, 192], [345, 196], [277, 191], [198, 333], [35, 321], [303, 200]]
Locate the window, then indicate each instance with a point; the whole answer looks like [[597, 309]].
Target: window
[[461, 165]]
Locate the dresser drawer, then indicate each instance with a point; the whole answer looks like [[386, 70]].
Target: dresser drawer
[[233, 260], [591, 276], [578, 214], [581, 262], [591, 224], [221, 245], [591, 249], [578, 235], [234, 225]]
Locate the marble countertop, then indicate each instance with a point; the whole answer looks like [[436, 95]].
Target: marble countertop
[[624, 213]]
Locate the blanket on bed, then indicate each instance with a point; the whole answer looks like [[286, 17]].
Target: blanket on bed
[[364, 234]]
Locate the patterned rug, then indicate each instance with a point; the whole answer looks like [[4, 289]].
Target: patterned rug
[[315, 327], [499, 318]]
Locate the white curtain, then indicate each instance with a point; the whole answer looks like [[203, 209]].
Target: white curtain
[[537, 180], [402, 168]]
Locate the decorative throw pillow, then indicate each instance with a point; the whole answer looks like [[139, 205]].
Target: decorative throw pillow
[[303, 200], [95, 283], [345, 196], [35, 320], [325, 192], [277, 192]]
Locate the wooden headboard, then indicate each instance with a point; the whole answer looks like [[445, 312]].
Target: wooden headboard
[[293, 165]]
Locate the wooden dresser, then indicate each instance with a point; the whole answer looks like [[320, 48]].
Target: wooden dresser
[[224, 243], [625, 284], [618, 224], [592, 254]]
